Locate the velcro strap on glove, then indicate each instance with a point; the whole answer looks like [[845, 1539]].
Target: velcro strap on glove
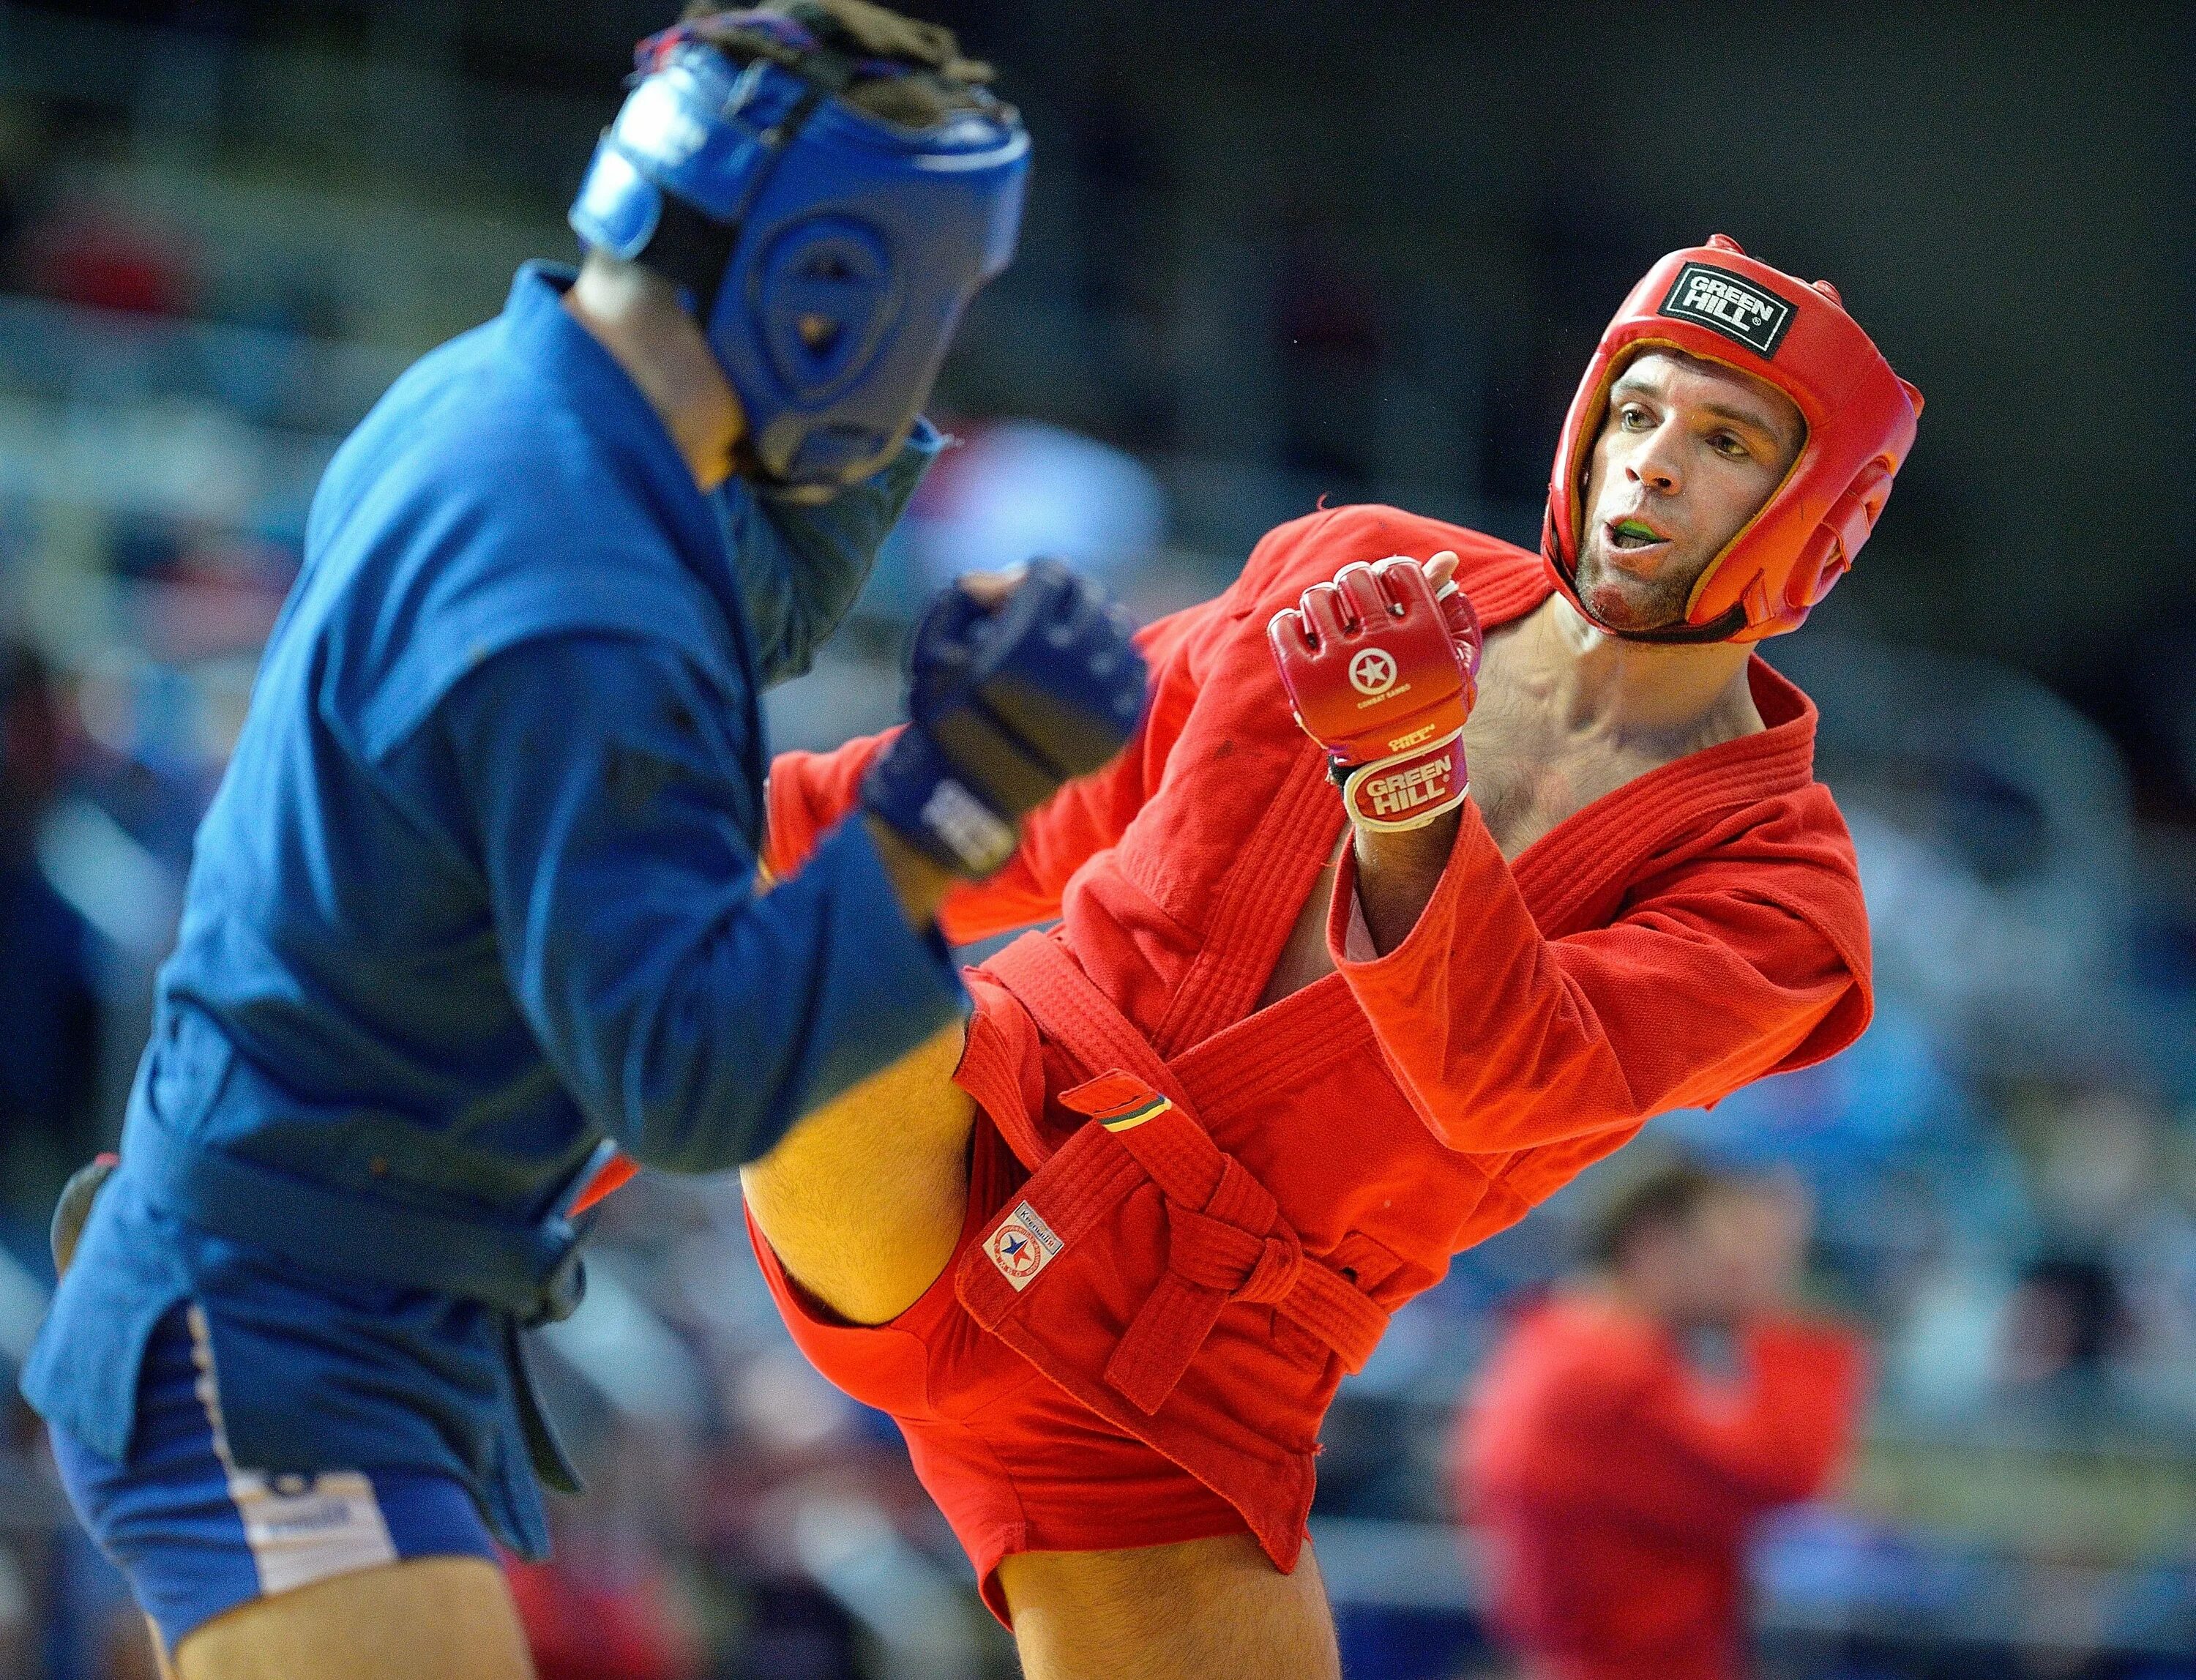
[[913, 787], [1409, 790]]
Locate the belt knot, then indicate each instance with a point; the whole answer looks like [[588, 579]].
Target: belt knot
[[1241, 1265], [1279, 1260]]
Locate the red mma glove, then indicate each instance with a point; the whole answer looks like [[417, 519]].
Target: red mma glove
[[1382, 673]]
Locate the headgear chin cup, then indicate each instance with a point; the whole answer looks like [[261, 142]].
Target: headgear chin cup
[[1716, 303], [827, 253]]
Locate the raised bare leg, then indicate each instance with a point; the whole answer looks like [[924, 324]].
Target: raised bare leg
[[127, 1663], [864, 1199], [1201, 1610], [428, 1618]]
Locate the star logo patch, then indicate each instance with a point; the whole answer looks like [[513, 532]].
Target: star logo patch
[[1022, 1246]]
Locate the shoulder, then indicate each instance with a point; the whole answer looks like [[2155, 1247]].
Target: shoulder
[[1290, 558], [1793, 847], [468, 427], [465, 518], [1753, 804], [1819, 881]]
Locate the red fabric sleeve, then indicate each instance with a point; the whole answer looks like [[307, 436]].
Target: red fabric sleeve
[[1504, 1039], [809, 792]]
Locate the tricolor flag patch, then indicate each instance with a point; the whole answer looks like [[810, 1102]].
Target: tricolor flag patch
[[1022, 1246], [1116, 1100], [1148, 1106]]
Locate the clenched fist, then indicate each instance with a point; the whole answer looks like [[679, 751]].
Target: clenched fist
[[1382, 669]]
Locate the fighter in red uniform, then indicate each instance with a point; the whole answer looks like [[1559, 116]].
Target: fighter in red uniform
[[1320, 1068], [1615, 1472]]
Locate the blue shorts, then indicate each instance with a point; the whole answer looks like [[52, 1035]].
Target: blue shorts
[[197, 1536]]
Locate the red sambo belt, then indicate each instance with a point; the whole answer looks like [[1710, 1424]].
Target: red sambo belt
[[1149, 1274]]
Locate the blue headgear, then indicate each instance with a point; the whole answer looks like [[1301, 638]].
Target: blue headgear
[[826, 253]]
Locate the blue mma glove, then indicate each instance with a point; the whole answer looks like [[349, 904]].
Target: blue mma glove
[[1005, 703]]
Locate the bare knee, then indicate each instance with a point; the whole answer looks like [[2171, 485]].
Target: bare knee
[[426, 1618], [1213, 1609], [863, 1200]]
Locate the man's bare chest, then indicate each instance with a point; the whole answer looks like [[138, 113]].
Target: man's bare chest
[[1529, 770], [1528, 773], [1533, 767]]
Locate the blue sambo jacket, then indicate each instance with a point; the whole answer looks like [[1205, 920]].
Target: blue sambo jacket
[[477, 894]]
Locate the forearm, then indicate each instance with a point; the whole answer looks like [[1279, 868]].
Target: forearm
[[1506, 1039], [692, 1017], [697, 1039], [1397, 873]]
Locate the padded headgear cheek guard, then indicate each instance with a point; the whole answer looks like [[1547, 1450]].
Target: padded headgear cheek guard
[[1716, 303], [826, 253]]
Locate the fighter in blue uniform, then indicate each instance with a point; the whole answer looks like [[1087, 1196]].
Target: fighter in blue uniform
[[477, 901]]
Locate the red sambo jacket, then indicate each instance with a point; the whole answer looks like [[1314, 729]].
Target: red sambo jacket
[[1688, 932]]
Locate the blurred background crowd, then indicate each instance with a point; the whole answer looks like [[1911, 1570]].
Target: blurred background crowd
[[1273, 252]]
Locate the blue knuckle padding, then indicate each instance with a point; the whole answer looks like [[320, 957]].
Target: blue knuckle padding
[[1008, 703]]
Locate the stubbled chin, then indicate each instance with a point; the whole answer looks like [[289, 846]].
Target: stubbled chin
[[1622, 599], [1611, 604], [1619, 607]]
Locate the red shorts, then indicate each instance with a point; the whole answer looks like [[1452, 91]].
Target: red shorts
[[1014, 1462]]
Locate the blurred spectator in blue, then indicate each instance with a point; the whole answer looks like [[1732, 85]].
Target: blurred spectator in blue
[[2063, 1326], [1015, 489]]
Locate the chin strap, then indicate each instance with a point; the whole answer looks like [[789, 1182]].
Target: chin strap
[[1719, 629]]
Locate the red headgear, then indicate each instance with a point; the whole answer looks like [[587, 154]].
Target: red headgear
[[1716, 303]]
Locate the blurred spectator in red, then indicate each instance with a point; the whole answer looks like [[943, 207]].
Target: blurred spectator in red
[[1632, 1424], [579, 1627], [104, 263]]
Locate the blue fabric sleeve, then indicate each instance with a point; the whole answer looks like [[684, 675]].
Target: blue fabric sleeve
[[801, 564], [693, 1017]]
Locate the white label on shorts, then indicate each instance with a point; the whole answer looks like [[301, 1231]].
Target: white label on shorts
[[304, 1530], [300, 1529], [1022, 1246]]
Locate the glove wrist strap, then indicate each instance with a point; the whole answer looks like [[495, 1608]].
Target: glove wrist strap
[[913, 788], [1408, 791]]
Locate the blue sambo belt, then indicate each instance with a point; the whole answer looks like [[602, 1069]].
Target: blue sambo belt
[[531, 1273]]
